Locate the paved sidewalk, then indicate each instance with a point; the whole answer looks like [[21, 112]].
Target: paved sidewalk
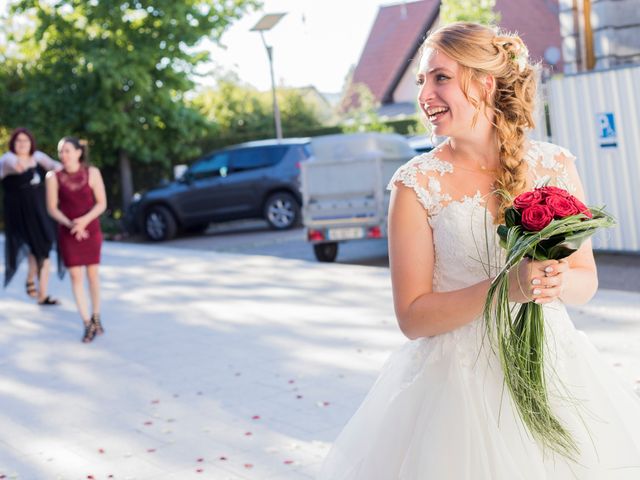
[[214, 365]]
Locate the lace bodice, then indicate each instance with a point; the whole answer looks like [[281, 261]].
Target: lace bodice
[[74, 181], [464, 234]]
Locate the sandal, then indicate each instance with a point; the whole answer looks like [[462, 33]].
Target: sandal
[[49, 301], [89, 332], [95, 320], [32, 291]]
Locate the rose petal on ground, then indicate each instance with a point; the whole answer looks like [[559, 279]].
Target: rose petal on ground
[[248, 465], [247, 434], [256, 417]]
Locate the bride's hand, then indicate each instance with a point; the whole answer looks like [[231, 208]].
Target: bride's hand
[[537, 281]]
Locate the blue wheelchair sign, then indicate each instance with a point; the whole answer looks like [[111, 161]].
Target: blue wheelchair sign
[[606, 130]]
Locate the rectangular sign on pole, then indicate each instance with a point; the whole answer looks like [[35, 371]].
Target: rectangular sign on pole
[[606, 130]]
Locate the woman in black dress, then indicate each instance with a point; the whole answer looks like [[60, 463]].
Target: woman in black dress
[[29, 231]]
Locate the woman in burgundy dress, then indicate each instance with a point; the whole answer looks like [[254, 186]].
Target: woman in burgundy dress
[[75, 199]]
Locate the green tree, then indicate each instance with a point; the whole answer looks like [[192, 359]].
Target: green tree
[[238, 108], [297, 112], [114, 72], [234, 107], [480, 11], [360, 111]]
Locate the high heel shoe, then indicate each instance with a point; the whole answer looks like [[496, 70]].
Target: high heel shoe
[[89, 332], [95, 320], [31, 289]]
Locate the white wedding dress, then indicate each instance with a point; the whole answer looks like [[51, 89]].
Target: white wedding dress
[[439, 409]]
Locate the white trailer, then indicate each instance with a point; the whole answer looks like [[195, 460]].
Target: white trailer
[[344, 195]]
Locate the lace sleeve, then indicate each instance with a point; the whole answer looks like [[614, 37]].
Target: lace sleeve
[[46, 161], [417, 174], [8, 162], [549, 163]]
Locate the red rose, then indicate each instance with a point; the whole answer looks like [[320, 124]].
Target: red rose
[[582, 208], [536, 217], [561, 206], [554, 191], [527, 199]]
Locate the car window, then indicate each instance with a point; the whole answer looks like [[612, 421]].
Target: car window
[[276, 154], [215, 166], [252, 158], [298, 153], [248, 159]]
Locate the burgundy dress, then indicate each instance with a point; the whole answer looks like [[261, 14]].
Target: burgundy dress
[[75, 198]]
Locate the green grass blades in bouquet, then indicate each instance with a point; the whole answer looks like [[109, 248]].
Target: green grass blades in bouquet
[[547, 223]]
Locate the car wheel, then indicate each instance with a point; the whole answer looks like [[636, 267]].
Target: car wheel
[[326, 252], [159, 224], [282, 211]]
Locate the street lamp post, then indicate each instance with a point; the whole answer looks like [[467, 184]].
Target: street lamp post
[[264, 24]]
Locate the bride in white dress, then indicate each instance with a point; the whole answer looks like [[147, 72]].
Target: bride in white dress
[[440, 410]]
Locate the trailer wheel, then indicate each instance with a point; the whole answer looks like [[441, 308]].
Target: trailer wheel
[[326, 252]]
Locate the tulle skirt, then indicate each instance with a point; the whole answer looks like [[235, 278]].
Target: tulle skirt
[[439, 410]]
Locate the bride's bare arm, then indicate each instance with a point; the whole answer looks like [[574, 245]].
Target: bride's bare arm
[[420, 311]]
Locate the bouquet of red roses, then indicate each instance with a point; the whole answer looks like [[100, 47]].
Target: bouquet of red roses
[[547, 223]]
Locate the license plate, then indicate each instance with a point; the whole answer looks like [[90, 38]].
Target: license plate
[[345, 233]]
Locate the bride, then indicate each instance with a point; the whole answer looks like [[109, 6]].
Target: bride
[[439, 409]]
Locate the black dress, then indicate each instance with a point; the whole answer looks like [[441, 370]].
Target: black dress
[[28, 227]]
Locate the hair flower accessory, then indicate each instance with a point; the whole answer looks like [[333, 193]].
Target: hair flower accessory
[[520, 55], [515, 50]]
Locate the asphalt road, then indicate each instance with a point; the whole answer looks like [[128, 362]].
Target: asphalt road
[[616, 271]]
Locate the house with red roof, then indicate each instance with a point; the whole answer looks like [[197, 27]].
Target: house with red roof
[[390, 57]]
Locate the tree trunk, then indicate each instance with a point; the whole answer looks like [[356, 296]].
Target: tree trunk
[[126, 179]]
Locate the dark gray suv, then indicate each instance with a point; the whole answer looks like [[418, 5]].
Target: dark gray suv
[[251, 180]]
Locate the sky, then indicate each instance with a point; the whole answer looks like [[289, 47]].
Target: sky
[[314, 44]]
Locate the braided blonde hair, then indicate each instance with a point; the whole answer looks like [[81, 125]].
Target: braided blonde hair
[[482, 50]]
